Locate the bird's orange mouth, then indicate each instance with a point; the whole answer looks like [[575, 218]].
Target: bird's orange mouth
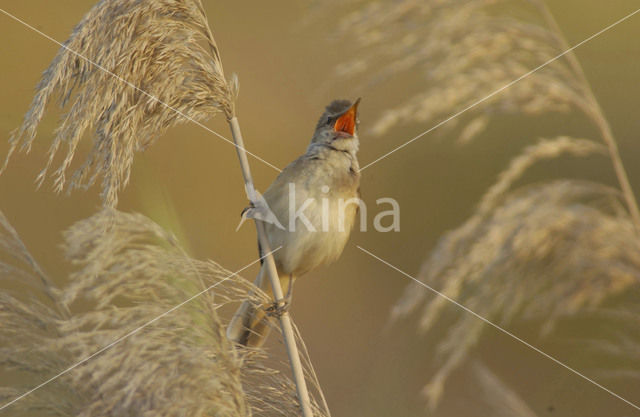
[[347, 122]]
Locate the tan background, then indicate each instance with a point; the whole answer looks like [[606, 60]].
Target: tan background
[[284, 58]]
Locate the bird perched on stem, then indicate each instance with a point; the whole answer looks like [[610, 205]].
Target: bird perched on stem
[[308, 214]]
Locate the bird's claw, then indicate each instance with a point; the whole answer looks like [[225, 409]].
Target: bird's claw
[[278, 308]]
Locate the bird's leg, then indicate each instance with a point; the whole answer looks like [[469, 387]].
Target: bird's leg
[[281, 306], [288, 298]]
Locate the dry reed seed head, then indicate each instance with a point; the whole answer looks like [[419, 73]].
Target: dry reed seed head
[[128, 272], [544, 149], [466, 50], [547, 253], [526, 247], [156, 65], [28, 326]]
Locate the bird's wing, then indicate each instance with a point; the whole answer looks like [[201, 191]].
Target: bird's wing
[[277, 195]]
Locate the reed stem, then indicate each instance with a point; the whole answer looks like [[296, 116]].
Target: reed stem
[[285, 319], [598, 117]]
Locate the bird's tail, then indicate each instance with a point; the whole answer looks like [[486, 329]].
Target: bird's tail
[[251, 325]]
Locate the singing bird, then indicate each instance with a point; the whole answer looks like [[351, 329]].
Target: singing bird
[[315, 201]]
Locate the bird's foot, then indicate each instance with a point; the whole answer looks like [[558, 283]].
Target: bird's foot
[[278, 308]]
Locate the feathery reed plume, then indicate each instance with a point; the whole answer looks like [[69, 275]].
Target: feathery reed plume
[[181, 363], [544, 149], [550, 252], [547, 253], [26, 325], [470, 52], [130, 70], [466, 50], [19, 265]]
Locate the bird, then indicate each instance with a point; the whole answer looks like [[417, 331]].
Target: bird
[[312, 207]]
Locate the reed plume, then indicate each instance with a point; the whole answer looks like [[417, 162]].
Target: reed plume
[[478, 59], [130, 70], [128, 271], [547, 253], [465, 50]]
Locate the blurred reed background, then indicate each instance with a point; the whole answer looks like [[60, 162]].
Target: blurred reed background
[[520, 258]]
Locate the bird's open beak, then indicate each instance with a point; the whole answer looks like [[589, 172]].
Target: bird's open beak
[[347, 122]]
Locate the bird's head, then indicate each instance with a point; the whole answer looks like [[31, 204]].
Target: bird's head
[[338, 126]]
